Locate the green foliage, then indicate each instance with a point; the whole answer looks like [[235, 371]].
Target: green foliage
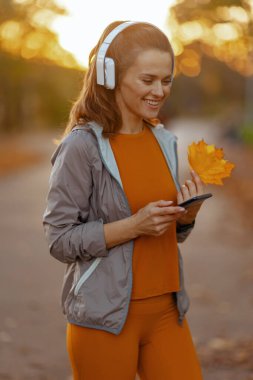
[[246, 133], [35, 95]]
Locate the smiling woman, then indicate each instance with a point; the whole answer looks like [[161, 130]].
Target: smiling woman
[[145, 87], [111, 217]]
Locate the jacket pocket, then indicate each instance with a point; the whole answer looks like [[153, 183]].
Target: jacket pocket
[[86, 275]]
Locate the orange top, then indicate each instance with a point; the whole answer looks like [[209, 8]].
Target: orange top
[[146, 178]]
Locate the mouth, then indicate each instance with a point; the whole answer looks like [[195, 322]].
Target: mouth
[[153, 104]]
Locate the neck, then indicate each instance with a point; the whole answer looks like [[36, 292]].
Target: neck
[[131, 123], [130, 128]]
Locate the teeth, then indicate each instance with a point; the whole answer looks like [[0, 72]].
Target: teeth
[[152, 102]]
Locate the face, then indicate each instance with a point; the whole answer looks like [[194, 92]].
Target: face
[[145, 85]]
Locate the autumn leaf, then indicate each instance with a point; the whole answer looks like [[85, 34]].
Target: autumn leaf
[[208, 162]]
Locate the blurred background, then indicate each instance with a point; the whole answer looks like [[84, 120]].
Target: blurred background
[[44, 47]]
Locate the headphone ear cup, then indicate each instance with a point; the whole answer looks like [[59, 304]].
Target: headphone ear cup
[[109, 73]]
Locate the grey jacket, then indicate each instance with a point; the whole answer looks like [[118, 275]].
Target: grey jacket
[[85, 191]]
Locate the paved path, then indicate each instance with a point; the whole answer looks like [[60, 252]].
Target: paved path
[[218, 260], [32, 328], [218, 269]]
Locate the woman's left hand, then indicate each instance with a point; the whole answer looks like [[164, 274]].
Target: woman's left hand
[[190, 189]]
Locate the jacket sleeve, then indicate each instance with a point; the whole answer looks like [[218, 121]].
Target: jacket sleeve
[[182, 230], [69, 235]]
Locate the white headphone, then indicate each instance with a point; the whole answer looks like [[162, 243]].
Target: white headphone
[[105, 66]]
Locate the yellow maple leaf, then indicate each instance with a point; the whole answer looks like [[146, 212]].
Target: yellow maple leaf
[[208, 162]]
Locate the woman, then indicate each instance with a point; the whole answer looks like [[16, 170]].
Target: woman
[[112, 216]]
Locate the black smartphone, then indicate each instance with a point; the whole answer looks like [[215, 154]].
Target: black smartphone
[[195, 200]]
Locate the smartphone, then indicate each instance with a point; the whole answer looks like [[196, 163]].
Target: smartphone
[[195, 200]]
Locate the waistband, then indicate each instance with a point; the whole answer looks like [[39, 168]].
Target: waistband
[[154, 304]]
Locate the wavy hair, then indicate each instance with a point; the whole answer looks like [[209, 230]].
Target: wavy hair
[[97, 103]]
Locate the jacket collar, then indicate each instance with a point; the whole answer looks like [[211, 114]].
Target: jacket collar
[[166, 139]]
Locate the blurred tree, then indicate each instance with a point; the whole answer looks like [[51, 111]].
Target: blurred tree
[[217, 30], [220, 29], [25, 31], [35, 95], [34, 92]]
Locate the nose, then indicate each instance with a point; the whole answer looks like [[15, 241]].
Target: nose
[[157, 89]]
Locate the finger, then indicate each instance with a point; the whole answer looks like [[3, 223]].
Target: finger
[[167, 218], [191, 187], [180, 197], [185, 192], [164, 227], [168, 210], [198, 182], [162, 203], [173, 217], [176, 210]]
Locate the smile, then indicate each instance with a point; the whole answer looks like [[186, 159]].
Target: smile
[[153, 103]]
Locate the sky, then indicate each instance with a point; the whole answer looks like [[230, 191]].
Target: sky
[[80, 30]]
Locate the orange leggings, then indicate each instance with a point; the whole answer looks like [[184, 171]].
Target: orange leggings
[[152, 344]]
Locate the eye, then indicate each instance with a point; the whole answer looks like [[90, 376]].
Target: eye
[[148, 81], [167, 82]]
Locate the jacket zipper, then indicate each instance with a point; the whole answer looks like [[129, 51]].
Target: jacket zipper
[[86, 275]]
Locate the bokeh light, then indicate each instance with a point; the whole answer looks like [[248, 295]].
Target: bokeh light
[[64, 32], [220, 32]]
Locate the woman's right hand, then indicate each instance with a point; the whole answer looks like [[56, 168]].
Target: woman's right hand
[[155, 218]]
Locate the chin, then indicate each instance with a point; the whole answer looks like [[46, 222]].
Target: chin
[[150, 115]]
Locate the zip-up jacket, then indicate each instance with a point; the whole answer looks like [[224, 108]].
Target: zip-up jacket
[[85, 192]]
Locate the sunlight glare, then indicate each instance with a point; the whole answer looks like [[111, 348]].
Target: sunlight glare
[[81, 28], [226, 31]]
